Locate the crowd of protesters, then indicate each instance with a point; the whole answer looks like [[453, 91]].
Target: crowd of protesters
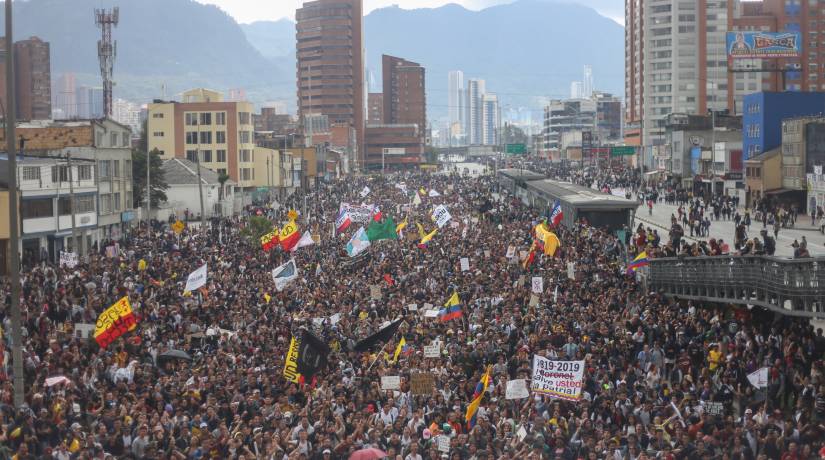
[[653, 364]]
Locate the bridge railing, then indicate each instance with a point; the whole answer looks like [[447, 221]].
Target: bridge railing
[[789, 286]]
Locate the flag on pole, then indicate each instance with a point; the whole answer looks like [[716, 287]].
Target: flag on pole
[[358, 243], [382, 230], [637, 263], [284, 274], [425, 238], [400, 228], [382, 336], [306, 240], [270, 240], [114, 322], [196, 279], [402, 344], [289, 233], [452, 309], [478, 395], [312, 355], [343, 221], [546, 240]]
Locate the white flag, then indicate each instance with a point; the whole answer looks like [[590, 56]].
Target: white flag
[[759, 378], [306, 240], [196, 279], [284, 274], [434, 193], [366, 191], [417, 199]]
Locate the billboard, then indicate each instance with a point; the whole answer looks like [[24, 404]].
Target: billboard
[[755, 45]]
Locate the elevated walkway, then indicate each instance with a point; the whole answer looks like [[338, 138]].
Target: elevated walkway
[[789, 286]]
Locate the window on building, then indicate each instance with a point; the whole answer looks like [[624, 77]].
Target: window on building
[[106, 203], [127, 138], [30, 173], [60, 174], [246, 174], [220, 118], [245, 137], [221, 154], [115, 168], [192, 138], [83, 204], [99, 139], [116, 202], [105, 169], [158, 134], [157, 115], [206, 137], [127, 168], [206, 156], [243, 118], [113, 140], [192, 155], [191, 118], [84, 172], [246, 155], [220, 137], [34, 209], [206, 118]]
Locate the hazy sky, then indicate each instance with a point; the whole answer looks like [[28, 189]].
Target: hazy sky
[[256, 10]]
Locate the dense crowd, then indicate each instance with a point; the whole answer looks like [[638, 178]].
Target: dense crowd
[[653, 364]]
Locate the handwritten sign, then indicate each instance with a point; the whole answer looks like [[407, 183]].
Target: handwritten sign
[[114, 322], [412, 307], [390, 382], [465, 264], [68, 259], [422, 383], [443, 443], [441, 216], [537, 285], [713, 407], [375, 292], [430, 313], [571, 270], [557, 379], [432, 351], [516, 389], [511, 251]]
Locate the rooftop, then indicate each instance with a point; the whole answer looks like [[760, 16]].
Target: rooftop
[[579, 196], [178, 171]]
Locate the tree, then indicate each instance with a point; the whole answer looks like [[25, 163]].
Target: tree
[[222, 178], [158, 181], [256, 228]]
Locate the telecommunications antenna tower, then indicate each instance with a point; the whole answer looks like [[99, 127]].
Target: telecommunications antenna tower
[[106, 53]]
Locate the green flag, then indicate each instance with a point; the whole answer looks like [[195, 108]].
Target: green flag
[[382, 230]]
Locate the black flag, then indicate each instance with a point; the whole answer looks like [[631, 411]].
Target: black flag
[[383, 336], [486, 206], [312, 355]]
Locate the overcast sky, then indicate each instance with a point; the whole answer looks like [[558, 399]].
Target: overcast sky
[[246, 11]]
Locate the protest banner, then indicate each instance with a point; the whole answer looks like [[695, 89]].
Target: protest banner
[[366, 191], [441, 216], [534, 300], [291, 362], [516, 389], [557, 379], [713, 407], [391, 382], [361, 214], [465, 264], [432, 351], [68, 259], [422, 383], [537, 285]]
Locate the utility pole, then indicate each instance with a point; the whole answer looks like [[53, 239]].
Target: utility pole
[[198, 165], [75, 239], [14, 227], [148, 188]]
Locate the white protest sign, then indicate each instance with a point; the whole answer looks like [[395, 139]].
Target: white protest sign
[[428, 306], [454, 224], [431, 313], [465, 264], [412, 307], [441, 216], [759, 378], [464, 233], [84, 330], [557, 379], [432, 351], [390, 382], [443, 443], [511, 251], [571, 270], [713, 408], [538, 285], [68, 259], [521, 433], [517, 389], [196, 279]]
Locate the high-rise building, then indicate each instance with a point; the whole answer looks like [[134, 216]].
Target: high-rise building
[[222, 133], [491, 119], [576, 90], [475, 92], [65, 97], [608, 117], [455, 97], [330, 69], [126, 113], [32, 79], [568, 116], [375, 108], [405, 99], [633, 69], [89, 102], [587, 83]]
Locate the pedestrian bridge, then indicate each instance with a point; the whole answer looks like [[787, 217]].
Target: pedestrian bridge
[[788, 286]]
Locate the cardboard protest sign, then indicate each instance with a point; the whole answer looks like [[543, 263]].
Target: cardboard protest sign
[[516, 389], [422, 383]]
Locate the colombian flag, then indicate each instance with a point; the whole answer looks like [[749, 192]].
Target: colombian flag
[[478, 395], [402, 347], [452, 309], [114, 322], [637, 263], [546, 240]]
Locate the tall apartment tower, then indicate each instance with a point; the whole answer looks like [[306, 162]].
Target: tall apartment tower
[[33, 79], [475, 93], [587, 83], [491, 119], [330, 68], [405, 100], [455, 98], [634, 70]]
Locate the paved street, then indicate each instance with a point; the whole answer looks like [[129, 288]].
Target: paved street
[[660, 220]]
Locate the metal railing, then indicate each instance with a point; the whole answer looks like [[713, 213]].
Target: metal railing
[[789, 286]]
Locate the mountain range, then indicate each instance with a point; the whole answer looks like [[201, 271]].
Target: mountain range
[[527, 51]]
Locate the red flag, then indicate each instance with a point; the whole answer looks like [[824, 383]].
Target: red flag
[[388, 279], [377, 216]]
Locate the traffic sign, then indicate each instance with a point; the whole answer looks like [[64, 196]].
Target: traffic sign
[[515, 149], [622, 150]]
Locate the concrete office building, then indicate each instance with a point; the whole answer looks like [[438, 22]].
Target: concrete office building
[[474, 112], [221, 131], [89, 102], [455, 98], [405, 97], [64, 97], [568, 116], [330, 68], [491, 119], [375, 108], [32, 78]]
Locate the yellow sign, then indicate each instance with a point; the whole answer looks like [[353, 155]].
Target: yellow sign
[[291, 362], [178, 227]]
